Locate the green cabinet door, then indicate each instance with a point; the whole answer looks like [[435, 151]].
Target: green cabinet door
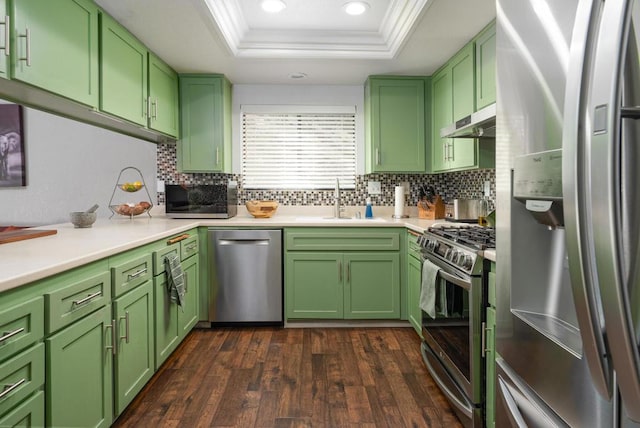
[[5, 48], [163, 94], [123, 73], [79, 373], [396, 124], [485, 46], [442, 115], [314, 285], [134, 362], [372, 285], [205, 124], [56, 47], [462, 152], [166, 321], [490, 357], [414, 285], [188, 314]]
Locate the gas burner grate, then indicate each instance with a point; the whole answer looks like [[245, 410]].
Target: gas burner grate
[[474, 237]]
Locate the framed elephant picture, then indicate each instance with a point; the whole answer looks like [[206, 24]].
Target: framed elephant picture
[[12, 153]]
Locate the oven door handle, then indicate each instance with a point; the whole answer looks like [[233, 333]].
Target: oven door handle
[[454, 279]]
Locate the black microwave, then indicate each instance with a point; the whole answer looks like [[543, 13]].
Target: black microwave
[[201, 200]]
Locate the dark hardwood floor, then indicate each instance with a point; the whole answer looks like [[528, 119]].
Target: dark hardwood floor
[[275, 377]]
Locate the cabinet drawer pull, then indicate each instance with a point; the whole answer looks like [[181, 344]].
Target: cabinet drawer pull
[[7, 34], [191, 247], [8, 388], [111, 347], [126, 326], [27, 37], [178, 239], [8, 334], [483, 343], [131, 276], [86, 299]]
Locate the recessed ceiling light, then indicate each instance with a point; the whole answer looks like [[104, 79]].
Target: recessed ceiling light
[[356, 7], [298, 75], [273, 6]]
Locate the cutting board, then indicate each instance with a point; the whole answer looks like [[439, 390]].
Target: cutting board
[[19, 235]]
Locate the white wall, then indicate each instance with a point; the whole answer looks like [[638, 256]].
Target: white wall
[[70, 166], [307, 95]]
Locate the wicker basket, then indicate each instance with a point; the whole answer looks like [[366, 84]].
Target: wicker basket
[[261, 209]]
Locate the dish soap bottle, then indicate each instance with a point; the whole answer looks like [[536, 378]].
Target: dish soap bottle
[[368, 212]]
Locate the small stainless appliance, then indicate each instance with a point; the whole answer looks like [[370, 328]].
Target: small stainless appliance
[[201, 200], [246, 276], [452, 342]]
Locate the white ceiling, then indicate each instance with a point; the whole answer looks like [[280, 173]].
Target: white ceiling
[[314, 37]]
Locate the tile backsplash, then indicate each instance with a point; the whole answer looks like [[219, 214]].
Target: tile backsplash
[[464, 184]]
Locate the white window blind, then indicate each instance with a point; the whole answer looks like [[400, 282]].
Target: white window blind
[[298, 150]]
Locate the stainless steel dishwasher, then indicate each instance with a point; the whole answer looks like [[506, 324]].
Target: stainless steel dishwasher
[[246, 276]]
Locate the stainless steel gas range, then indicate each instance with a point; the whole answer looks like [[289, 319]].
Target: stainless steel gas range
[[453, 341]]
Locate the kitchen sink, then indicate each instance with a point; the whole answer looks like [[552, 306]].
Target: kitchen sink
[[341, 219]]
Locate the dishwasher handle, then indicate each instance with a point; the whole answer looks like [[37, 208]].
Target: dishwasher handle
[[240, 241]]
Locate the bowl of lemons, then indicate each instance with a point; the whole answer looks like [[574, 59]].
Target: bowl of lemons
[[131, 186]]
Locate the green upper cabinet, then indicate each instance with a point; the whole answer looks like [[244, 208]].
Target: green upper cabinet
[[442, 112], [205, 124], [396, 123], [163, 95], [55, 47], [123, 73], [485, 45], [455, 91], [5, 48]]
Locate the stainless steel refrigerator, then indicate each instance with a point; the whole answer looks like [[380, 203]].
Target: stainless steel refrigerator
[[568, 211]]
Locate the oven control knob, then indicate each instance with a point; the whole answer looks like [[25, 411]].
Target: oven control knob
[[467, 262], [431, 245], [452, 255]]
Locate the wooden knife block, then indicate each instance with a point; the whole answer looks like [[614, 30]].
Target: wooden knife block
[[431, 210]]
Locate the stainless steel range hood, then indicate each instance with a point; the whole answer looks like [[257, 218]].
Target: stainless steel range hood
[[481, 124]]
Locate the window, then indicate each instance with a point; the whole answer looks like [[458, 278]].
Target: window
[[298, 147]]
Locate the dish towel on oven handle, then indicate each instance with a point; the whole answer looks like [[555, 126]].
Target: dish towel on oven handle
[[428, 288], [175, 279]]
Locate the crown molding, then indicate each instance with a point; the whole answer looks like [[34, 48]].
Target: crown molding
[[244, 42]]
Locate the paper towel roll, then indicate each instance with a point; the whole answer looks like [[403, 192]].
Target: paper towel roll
[[398, 210]]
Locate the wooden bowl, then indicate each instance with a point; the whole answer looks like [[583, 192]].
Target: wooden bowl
[[261, 209]]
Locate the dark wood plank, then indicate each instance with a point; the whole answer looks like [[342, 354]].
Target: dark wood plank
[[275, 377]]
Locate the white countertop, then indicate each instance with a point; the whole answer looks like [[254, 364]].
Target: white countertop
[[33, 259]]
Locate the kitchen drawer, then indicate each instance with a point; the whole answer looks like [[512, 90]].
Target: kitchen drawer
[[20, 376], [132, 273], [21, 326], [492, 289], [189, 247], [30, 413], [162, 253], [69, 304], [335, 239]]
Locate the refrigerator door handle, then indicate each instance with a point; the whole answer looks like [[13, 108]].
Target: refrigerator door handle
[[576, 194], [616, 276]]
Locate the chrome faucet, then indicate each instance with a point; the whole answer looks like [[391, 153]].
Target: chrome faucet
[[336, 202]]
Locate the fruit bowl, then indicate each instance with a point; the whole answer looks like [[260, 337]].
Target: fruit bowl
[[131, 187], [261, 209], [131, 209]]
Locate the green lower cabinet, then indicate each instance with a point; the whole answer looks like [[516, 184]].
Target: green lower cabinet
[[414, 285], [30, 413], [188, 314], [372, 285], [330, 285], [79, 370], [20, 376], [313, 283], [134, 362], [166, 321]]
